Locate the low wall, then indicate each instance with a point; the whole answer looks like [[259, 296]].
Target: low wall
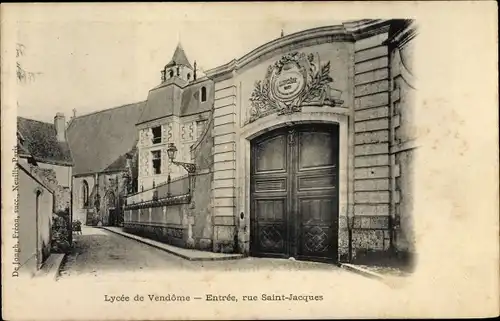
[[165, 220]]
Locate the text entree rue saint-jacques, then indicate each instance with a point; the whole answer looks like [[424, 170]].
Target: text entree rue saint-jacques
[[211, 298]]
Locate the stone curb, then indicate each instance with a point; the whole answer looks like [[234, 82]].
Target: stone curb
[[362, 271], [54, 269], [186, 257], [386, 280]]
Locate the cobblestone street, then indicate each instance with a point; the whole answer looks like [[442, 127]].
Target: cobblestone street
[[98, 252]]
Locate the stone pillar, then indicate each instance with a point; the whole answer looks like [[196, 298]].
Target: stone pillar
[[371, 151], [223, 185]]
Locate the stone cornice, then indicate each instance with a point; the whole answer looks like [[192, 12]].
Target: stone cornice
[[401, 37], [366, 28], [347, 32]]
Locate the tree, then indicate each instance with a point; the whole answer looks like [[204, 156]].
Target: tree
[[22, 74]]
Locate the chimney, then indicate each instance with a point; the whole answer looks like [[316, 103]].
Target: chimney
[[60, 125]]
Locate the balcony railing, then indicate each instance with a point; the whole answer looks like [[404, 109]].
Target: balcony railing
[[174, 188]]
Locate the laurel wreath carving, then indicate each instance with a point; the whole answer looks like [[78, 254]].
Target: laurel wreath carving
[[317, 81]]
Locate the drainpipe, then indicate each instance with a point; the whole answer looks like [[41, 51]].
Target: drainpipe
[[71, 213]]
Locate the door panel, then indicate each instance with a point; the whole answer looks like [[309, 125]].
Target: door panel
[[315, 150], [317, 237], [271, 155], [270, 196], [294, 193]]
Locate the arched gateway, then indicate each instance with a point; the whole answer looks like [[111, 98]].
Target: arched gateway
[[294, 192]]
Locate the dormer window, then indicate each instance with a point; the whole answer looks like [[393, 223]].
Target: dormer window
[[156, 134], [188, 76], [171, 73], [203, 94]]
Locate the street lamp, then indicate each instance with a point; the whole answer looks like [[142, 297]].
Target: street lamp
[[172, 152]]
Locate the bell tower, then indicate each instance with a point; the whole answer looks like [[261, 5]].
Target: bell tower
[[178, 67]]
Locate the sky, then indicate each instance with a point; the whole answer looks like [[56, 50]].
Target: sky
[[94, 57]]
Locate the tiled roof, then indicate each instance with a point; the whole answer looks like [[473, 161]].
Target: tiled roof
[[39, 140], [100, 139], [179, 58]]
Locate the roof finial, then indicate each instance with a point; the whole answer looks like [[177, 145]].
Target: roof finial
[[282, 33], [194, 71]]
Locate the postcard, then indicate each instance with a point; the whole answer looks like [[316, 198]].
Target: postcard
[[218, 161]]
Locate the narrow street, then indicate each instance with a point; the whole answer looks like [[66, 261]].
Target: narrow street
[[98, 251]]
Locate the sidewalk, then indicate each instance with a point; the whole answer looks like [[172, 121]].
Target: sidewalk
[[188, 254]]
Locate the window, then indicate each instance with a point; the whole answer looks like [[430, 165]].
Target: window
[[188, 76], [85, 193], [156, 134], [171, 73], [203, 94], [156, 161]]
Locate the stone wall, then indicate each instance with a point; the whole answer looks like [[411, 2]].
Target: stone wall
[[202, 209], [404, 137], [62, 193], [35, 223], [62, 173], [167, 223], [179, 213]]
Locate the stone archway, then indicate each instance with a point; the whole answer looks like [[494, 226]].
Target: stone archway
[[312, 116]]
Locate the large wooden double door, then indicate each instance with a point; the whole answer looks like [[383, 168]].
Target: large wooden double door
[[294, 193]]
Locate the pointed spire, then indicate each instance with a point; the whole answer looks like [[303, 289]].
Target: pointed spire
[[179, 58]]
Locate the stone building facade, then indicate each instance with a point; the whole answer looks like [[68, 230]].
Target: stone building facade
[[357, 81], [303, 148], [176, 112], [103, 148]]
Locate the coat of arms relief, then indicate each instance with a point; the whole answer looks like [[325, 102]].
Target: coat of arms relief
[[294, 81]]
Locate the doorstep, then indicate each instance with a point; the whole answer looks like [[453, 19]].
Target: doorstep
[[188, 254], [51, 266]]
